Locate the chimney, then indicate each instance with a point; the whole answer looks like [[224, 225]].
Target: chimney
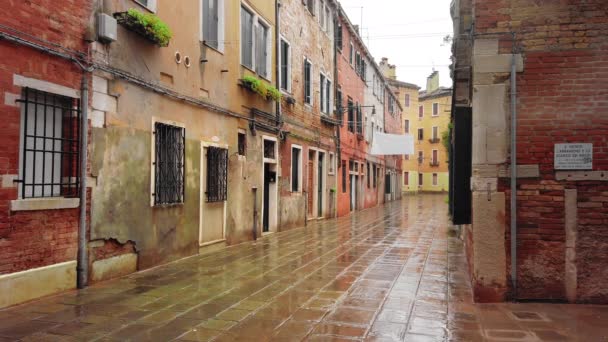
[[432, 82], [356, 29]]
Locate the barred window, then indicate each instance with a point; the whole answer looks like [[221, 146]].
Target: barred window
[[217, 174], [169, 144], [50, 145]]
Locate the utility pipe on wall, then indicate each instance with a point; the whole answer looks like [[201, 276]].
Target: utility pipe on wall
[[82, 267], [513, 205]]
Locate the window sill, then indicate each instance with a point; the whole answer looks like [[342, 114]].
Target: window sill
[[213, 48], [44, 204]]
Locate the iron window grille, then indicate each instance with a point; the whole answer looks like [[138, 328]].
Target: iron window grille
[[351, 116], [217, 174], [50, 149], [169, 144]]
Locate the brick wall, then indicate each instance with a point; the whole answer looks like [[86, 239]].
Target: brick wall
[[562, 98], [352, 87], [30, 239]]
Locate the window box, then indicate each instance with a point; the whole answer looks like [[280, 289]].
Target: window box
[[326, 119], [265, 91], [148, 26], [434, 164], [290, 100], [434, 140]]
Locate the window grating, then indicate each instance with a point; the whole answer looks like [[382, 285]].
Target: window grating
[[169, 144], [50, 146], [217, 174]]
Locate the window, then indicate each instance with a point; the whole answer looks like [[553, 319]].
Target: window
[[149, 4], [435, 181], [339, 37], [310, 4], [339, 100], [363, 70], [435, 157], [406, 178], [420, 157], [49, 156], [406, 101], [332, 164], [352, 54], [358, 64], [322, 18], [307, 82], [344, 176], [328, 20], [435, 134], [406, 126], [375, 178], [285, 66], [296, 168], [246, 38], [325, 94], [212, 18], [328, 92], [420, 112], [261, 42], [269, 149], [351, 116], [420, 179], [255, 55], [435, 109], [359, 120], [217, 174], [420, 133], [242, 142], [368, 176], [169, 142]]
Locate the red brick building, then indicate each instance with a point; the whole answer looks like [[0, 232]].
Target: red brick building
[[550, 61], [350, 99], [40, 87]]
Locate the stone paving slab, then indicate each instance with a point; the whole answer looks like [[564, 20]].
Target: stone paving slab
[[392, 273]]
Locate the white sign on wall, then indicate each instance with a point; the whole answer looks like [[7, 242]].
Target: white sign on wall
[[573, 156]]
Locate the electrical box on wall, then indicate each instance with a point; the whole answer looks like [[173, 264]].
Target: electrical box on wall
[[106, 28]]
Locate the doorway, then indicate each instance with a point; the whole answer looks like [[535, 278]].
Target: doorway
[[310, 187], [270, 189], [320, 185]]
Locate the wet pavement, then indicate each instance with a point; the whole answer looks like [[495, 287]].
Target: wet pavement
[[392, 273]]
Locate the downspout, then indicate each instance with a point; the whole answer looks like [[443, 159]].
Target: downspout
[[337, 112], [82, 267], [514, 174], [277, 48]]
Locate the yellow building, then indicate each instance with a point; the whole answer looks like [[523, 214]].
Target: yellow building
[[431, 124], [408, 96]]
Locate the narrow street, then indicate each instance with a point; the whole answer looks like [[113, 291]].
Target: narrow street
[[390, 273]]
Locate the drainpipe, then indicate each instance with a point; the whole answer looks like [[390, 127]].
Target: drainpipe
[[277, 7], [82, 267], [255, 213], [514, 174]]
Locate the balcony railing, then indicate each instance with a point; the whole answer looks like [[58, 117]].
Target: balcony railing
[[434, 140], [434, 164]]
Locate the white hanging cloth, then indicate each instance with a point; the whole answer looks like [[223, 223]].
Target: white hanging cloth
[[392, 144]]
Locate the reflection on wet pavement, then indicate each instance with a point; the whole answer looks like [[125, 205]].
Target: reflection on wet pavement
[[391, 273]]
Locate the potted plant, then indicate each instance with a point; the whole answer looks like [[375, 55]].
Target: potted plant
[[260, 87], [148, 26]]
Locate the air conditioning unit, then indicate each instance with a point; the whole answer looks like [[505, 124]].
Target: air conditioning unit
[[106, 28]]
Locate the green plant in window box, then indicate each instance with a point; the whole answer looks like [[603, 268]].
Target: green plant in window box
[[260, 87], [147, 25]]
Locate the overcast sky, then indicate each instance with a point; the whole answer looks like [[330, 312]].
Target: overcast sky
[[410, 33]]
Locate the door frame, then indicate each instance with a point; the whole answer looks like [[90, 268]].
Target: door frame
[[316, 178], [204, 145], [273, 215]]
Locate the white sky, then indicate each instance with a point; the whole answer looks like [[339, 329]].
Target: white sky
[[409, 32]]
